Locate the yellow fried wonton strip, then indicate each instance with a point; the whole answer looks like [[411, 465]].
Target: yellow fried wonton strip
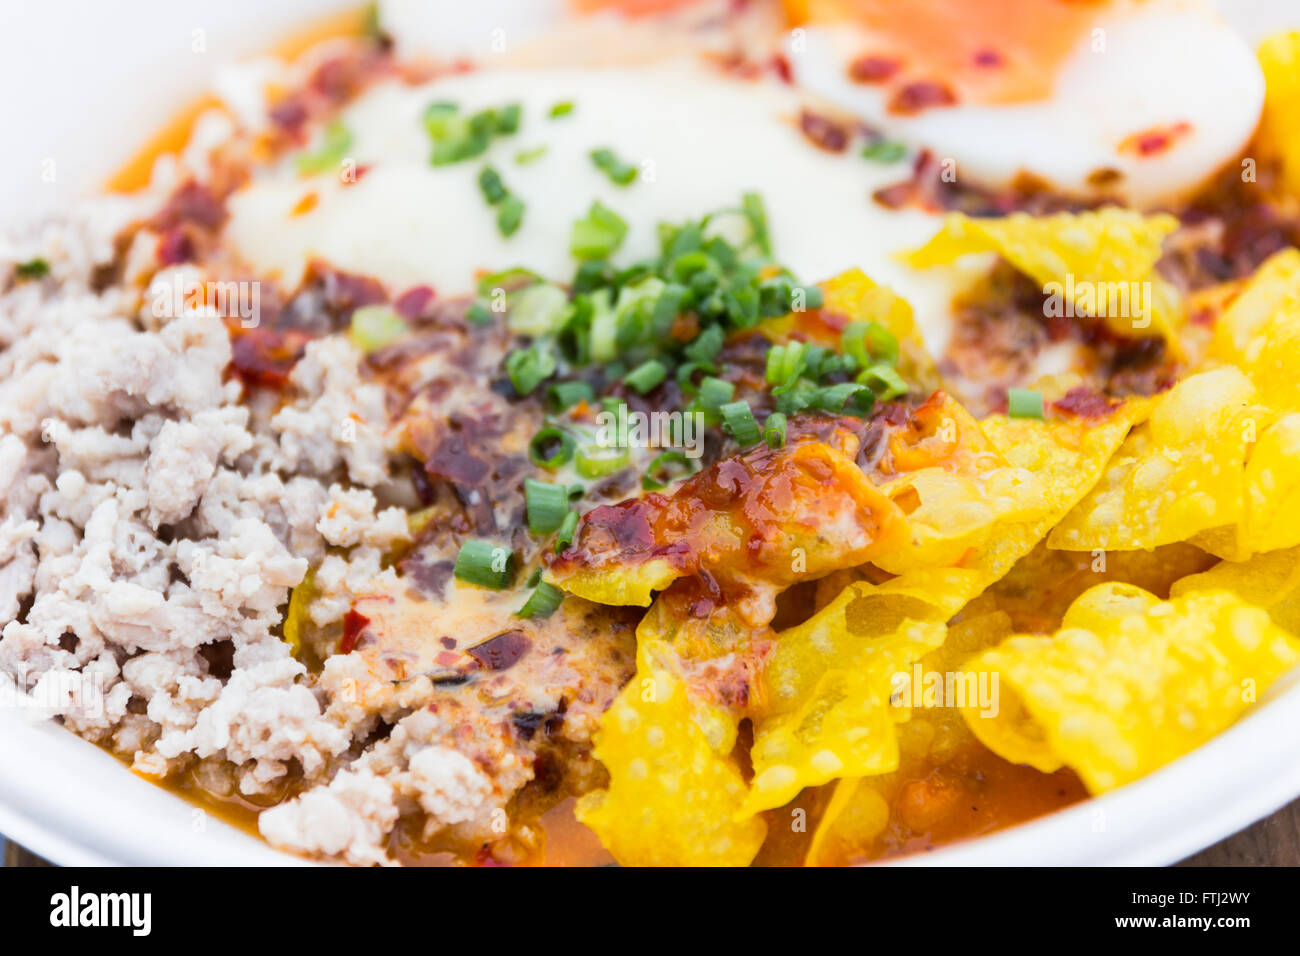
[[1129, 683], [1279, 127], [674, 788], [955, 504], [1260, 331], [858, 810], [1180, 473], [826, 692], [1270, 581], [1103, 260]]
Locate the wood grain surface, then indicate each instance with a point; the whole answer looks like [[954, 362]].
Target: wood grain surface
[[1273, 841]]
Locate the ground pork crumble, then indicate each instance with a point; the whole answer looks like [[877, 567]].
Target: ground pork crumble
[[152, 529], [159, 509]]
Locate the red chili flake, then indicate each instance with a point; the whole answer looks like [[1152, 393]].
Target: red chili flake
[[175, 246], [264, 357], [354, 623], [873, 69], [781, 67], [921, 95], [1156, 140], [289, 115], [1085, 402], [191, 203], [411, 303], [989, 58], [501, 652], [824, 133]]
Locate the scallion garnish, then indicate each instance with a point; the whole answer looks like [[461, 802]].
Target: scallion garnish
[[564, 537], [543, 602], [619, 172], [490, 184], [510, 215], [680, 466], [526, 156], [834, 398], [485, 564], [596, 461], [1025, 403], [738, 421], [374, 326], [529, 367], [551, 447], [32, 269], [714, 393], [598, 234], [774, 430], [884, 380], [336, 140], [478, 313], [562, 396], [869, 343], [646, 376], [884, 151], [563, 108], [546, 505]]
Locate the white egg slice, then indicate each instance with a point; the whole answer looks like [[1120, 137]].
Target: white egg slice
[[699, 138], [1165, 67]]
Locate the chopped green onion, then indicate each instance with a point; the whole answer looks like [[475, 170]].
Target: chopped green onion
[[526, 156], [884, 380], [561, 109], [1024, 403], [375, 326], [706, 346], [564, 395], [619, 172], [490, 184], [546, 505], [478, 313], [32, 269], [836, 398], [598, 234], [686, 372], [651, 481], [738, 421], [784, 363], [884, 151], [646, 376], [595, 461], [508, 119], [751, 205], [869, 343], [538, 310], [604, 328], [336, 140], [528, 368], [564, 536], [485, 564], [774, 430], [510, 215], [542, 603], [546, 439], [714, 393]]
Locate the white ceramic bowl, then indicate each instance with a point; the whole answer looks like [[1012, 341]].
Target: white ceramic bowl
[[87, 83]]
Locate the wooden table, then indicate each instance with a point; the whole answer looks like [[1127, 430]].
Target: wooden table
[[1273, 841]]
